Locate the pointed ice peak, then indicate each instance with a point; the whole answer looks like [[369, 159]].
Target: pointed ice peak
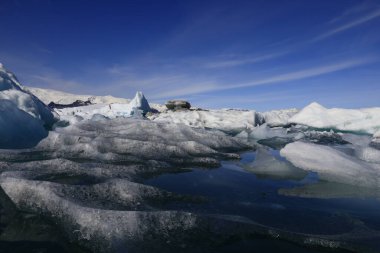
[[140, 102], [316, 105], [1, 66]]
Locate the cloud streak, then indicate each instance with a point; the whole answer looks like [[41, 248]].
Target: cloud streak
[[243, 61], [291, 76], [347, 26], [306, 73]]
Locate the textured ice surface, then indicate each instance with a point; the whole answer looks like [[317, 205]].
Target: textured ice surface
[[103, 228], [139, 141], [23, 117], [332, 165], [231, 121], [359, 120]]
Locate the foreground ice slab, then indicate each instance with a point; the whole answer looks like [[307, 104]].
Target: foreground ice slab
[[103, 228], [23, 117], [332, 165], [135, 140], [231, 121], [353, 120]]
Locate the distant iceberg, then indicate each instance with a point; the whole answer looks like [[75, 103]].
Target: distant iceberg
[[352, 120]]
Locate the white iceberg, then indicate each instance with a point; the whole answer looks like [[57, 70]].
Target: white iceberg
[[23, 117], [351, 120]]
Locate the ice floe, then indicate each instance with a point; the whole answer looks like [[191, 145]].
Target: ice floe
[[332, 164]]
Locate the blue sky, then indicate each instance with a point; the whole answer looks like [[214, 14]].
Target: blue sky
[[244, 54]]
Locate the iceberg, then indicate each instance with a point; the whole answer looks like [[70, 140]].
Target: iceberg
[[365, 121], [24, 119]]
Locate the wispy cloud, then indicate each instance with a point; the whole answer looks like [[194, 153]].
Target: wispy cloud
[[306, 73], [209, 86], [242, 61], [187, 90], [361, 20], [354, 10]]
